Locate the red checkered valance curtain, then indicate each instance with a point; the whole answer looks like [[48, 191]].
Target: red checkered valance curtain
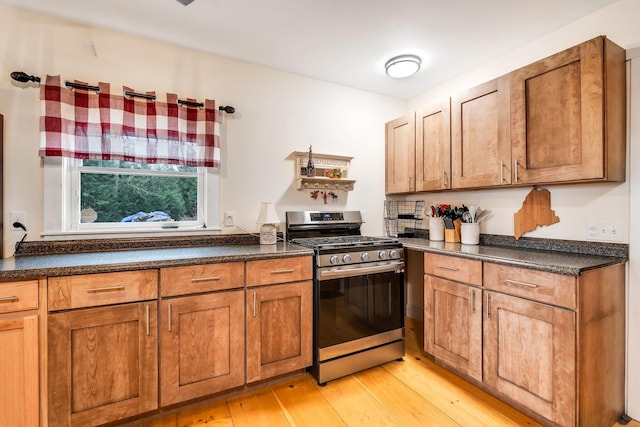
[[83, 124]]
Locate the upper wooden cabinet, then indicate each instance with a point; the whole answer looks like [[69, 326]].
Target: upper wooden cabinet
[[558, 120], [433, 147], [568, 116], [480, 136], [419, 150], [400, 155]]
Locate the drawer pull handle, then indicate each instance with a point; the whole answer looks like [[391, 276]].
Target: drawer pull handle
[[206, 279], [446, 267], [169, 315], [146, 314], [515, 282], [472, 297], [488, 303], [106, 289], [254, 303], [13, 298], [284, 271]]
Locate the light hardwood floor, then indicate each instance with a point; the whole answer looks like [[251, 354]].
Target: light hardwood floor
[[414, 392]]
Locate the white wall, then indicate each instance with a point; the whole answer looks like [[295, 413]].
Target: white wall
[[276, 113]]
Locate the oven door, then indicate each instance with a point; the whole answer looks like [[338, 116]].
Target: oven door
[[358, 308]]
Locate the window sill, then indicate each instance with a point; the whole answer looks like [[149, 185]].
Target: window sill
[[129, 233]]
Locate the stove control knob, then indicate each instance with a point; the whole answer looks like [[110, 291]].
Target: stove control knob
[[333, 259], [346, 258], [393, 253], [382, 254], [364, 256]]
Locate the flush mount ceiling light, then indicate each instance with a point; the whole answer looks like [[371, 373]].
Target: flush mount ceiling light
[[185, 2], [403, 66]]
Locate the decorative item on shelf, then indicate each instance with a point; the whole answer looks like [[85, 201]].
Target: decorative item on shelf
[[310, 168], [269, 219], [325, 195]]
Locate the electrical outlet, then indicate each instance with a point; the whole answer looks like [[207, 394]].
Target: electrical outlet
[[229, 218], [608, 231], [16, 216]]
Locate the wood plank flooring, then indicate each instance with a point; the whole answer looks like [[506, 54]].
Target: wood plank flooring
[[414, 392]]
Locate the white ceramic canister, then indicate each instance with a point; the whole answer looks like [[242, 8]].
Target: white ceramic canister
[[470, 233], [436, 229]]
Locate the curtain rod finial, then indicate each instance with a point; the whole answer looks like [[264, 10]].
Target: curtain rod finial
[[227, 109], [23, 77]]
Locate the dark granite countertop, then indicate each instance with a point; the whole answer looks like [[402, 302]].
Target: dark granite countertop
[[32, 266], [554, 261]]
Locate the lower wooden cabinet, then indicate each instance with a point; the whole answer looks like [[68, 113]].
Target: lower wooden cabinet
[[19, 354], [279, 329], [530, 353], [549, 344], [102, 364], [453, 325], [19, 399], [201, 345]]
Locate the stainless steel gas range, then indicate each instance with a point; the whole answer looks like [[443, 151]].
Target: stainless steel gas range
[[358, 307]]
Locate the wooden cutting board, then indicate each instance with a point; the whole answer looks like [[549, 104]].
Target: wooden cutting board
[[536, 211]]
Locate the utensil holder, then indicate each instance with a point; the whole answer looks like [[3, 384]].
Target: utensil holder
[[470, 233], [452, 235], [436, 229]]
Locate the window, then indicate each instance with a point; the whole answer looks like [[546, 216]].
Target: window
[[94, 197], [111, 193]]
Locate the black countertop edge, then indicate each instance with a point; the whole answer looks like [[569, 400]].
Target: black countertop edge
[[565, 263], [619, 250]]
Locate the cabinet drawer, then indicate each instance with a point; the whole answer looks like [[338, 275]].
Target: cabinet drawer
[[90, 290], [201, 278], [454, 268], [279, 270], [18, 296], [542, 286]]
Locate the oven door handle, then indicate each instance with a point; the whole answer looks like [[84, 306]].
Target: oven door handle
[[360, 271]]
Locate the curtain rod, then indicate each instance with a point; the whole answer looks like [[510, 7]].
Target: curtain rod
[[23, 77]]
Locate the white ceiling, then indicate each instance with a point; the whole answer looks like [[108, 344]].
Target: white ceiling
[[341, 41]]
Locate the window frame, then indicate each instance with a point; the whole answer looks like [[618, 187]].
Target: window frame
[[62, 204]]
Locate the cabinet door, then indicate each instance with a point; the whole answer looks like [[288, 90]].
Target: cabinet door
[[558, 119], [453, 325], [279, 328], [19, 392], [433, 147], [529, 356], [102, 364], [201, 345], [401, 155], [480, 135]]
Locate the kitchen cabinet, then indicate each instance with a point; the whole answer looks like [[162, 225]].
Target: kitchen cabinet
[[530, 353], [568, 115], [453, 313], [480, 135], [418, 150], [278, 317], [557, 120], [433, 147], [103, 349], [201, 330], [19, 358], [400, 155], [544, 338]]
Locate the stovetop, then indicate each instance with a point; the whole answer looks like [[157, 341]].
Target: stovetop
[[342, 242]]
